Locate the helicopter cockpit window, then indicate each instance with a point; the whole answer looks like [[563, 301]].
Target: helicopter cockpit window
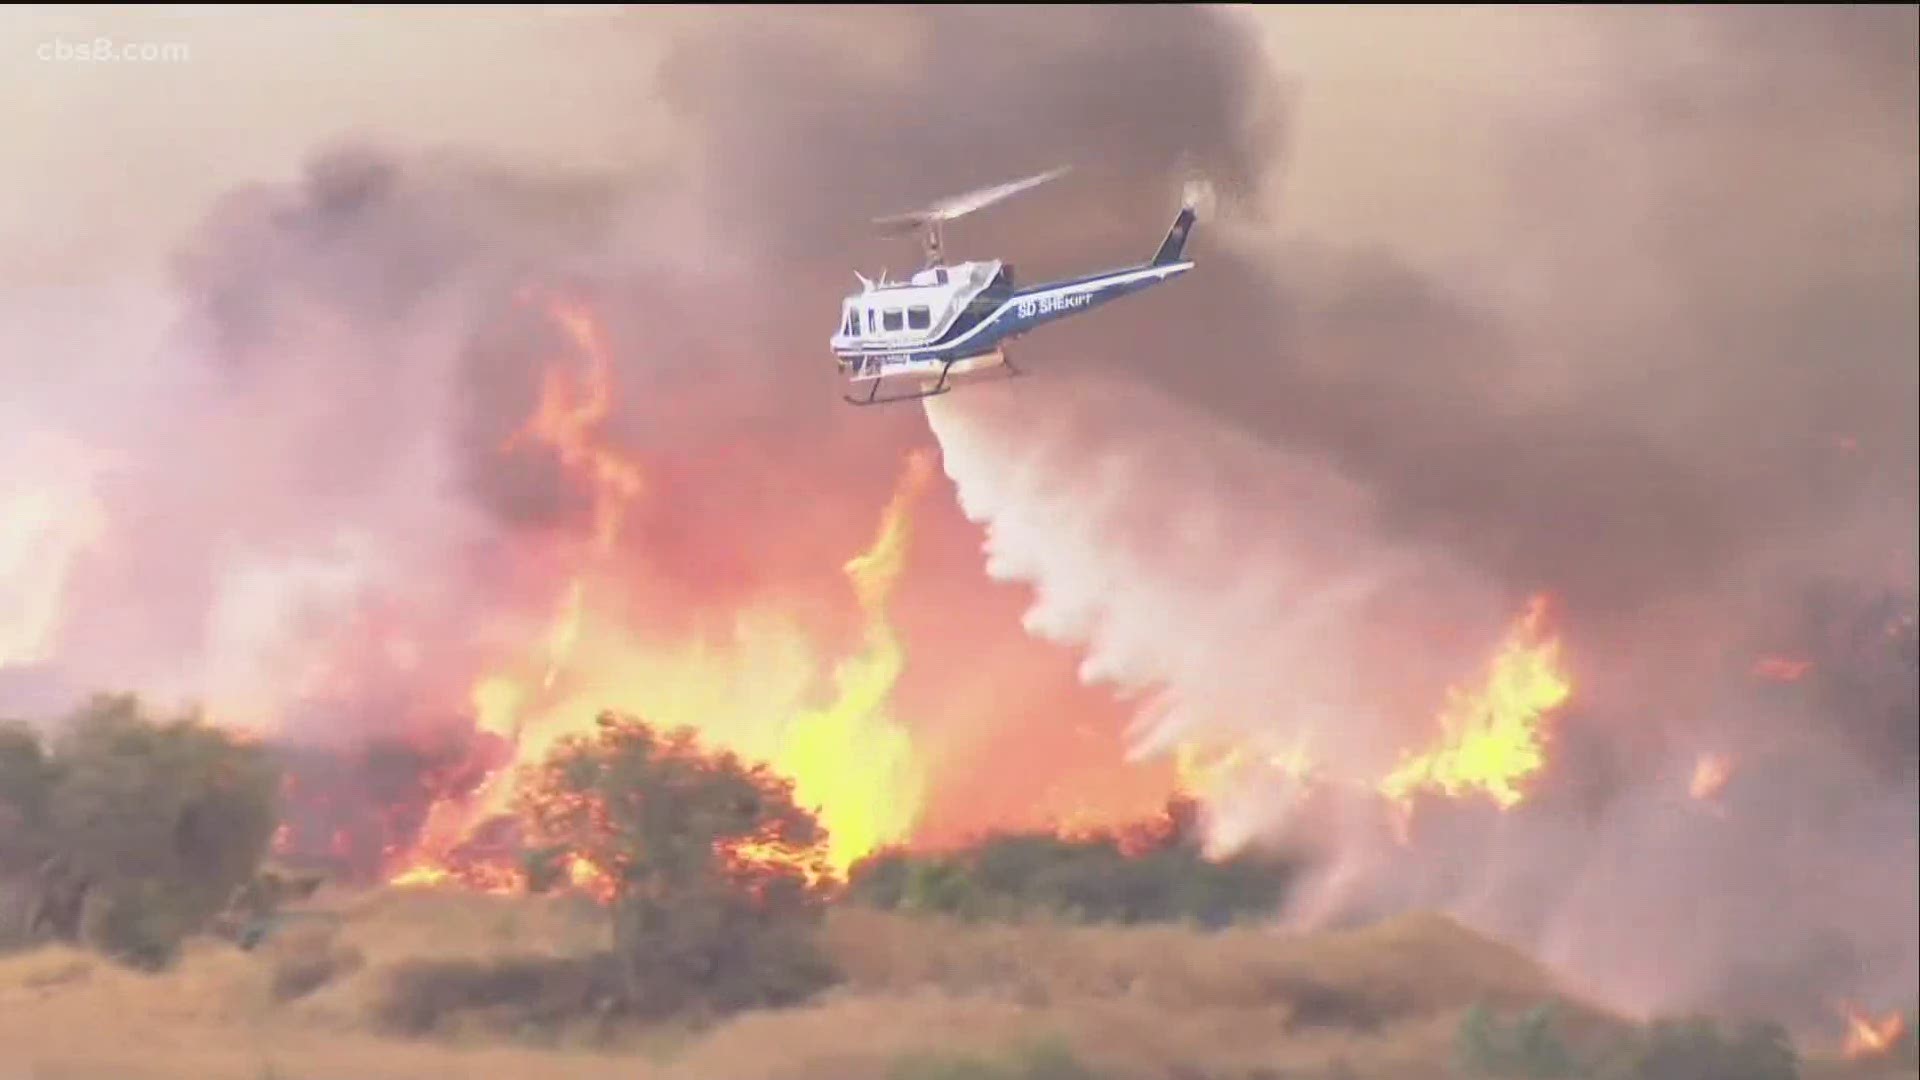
[[919, 318], [853, 323], [891, 319], [871, 327]]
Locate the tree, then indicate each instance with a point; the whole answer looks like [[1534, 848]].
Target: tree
[[138, 830], [713, 872], [26, 786], [1530, 1048], [1696, 1049]]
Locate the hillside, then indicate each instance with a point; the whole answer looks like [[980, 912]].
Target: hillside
[[1382, 1002]]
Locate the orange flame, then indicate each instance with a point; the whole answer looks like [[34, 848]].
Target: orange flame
[[1782, 669], [1710, 776], [569, 414], [566, 420], [809, 863], [1205, 772], [584, 876], [1868, 1036], [1492, 741], [849, 761]]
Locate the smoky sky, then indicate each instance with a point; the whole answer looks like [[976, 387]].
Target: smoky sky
[[801, 146], [755, 467], [1707, 432], [1767, 392]]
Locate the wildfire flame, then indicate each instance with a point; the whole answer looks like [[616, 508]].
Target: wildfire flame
[[1492, 741], [43, 530], [1710, 776], [1205, 772], [1201, 771], [1784, 669], [568, 417], [1868, 1036], [849, 761]]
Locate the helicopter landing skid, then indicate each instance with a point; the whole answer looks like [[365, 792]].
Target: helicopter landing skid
[[942, 386]]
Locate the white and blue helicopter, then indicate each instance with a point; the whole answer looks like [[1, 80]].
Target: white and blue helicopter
[[950, 320]]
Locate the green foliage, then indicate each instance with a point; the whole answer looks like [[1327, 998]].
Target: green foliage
[[1045, 1059], [712, 865], [1152, 874], [1530, 1047], [1696, 1049], [138, 830], [26, 783], [26, 790]]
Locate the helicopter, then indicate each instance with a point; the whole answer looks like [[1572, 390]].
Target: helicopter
[[956, 319]]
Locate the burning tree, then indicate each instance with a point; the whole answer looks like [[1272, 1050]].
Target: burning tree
[[714, 875]]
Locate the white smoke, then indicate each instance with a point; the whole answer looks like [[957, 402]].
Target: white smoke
[[1251, 595]]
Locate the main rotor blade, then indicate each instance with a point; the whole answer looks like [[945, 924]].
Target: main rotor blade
[[961, 205]]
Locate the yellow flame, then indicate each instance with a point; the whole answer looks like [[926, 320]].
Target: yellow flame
[[1869, 1036], [851, 761], [1492, 741], [1205, 772], [1710, 775], [44, 529], [1296, 761], [565, 633], [496, 704], [423, 876]]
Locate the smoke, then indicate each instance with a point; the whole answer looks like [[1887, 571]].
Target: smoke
[[1668, 379], [1616, 305]]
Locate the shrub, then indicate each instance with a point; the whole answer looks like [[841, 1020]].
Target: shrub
[[1531, 1047], [1152, 874], [1044, 1059], [1683, 1049], [26, 790], [715, 876], [525, 995], [1696, 1049], [137, 831]]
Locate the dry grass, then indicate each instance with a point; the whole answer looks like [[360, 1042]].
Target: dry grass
[[1381, 1002], [1409, 966]]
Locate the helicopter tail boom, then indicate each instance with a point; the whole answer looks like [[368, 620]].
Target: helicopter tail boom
[[1174, 247]]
